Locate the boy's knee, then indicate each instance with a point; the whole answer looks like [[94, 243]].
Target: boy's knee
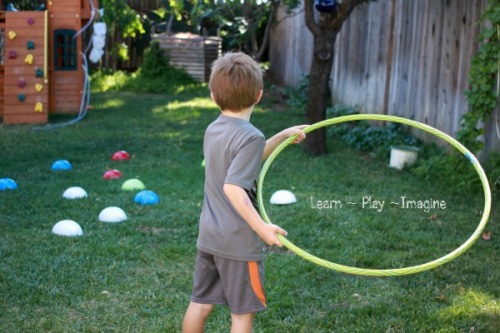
[[242, 323], [202, 309]]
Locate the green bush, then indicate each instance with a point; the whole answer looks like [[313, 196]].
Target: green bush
[[450, 167], [297, 96], [155, 75], [155, 63], [492, 168], [106, 80], [366, 137]]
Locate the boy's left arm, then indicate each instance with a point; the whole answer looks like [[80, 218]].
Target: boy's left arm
[[241, 202], [278, 138]]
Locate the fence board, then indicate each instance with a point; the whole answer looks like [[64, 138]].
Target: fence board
[[422, 75]]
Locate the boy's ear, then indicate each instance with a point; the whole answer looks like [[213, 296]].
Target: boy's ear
[[212, 96], [259, 96]]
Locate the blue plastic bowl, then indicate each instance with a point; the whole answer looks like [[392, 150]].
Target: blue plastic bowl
[[7, 184], [146, 198], [61, 165]]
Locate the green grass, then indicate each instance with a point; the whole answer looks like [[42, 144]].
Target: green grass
[[136, 276]]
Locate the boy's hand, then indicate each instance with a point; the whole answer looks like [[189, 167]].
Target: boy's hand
[[269, 234], [277, 139], [296, 130]]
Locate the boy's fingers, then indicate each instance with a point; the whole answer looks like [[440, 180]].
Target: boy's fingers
[[282, 231]]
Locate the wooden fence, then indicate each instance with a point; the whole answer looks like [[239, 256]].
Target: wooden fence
[[145, 5], [397, 57], [193, 53]]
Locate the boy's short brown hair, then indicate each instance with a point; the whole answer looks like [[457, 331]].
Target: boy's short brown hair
[[235, 82]]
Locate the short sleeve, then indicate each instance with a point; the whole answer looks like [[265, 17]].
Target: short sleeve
[[245, 166]]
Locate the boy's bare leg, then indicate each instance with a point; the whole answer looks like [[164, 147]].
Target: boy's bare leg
[[242, 323], [195, 317]]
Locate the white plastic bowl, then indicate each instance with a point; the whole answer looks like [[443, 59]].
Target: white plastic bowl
[[74, 192], [112, 215], [67, 228], [283, 197]]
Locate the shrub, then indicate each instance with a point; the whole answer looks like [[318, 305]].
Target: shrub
[[297, 96], [366, 137], [155, 75], [449, 167]]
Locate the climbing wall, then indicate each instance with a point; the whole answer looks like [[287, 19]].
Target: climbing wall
[[26, 64]]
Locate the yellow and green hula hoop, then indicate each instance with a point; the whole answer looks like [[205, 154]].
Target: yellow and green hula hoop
[[382, 272]]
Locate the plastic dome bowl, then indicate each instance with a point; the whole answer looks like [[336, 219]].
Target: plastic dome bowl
[[67, 228], [121, 155], [7, 184], [283, 197], [61, 165], [112, 174], [74, 192], [112, 215], [133, 185], [146, 198]]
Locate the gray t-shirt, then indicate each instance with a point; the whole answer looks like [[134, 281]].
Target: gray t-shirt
[[233, 150]]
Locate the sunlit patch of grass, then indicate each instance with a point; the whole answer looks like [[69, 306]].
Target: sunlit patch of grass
[[196, 103], [113, 103], [469, 303], [472, 310]]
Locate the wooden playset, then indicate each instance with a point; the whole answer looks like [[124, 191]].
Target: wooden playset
[[41, 68]]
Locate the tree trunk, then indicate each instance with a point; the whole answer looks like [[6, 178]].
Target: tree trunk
[[324, 26], [319, 90]]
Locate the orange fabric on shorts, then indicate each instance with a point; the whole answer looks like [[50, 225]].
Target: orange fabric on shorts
[[253, 268]]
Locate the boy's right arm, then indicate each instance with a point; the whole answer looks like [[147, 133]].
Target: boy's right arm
[[278, 138], [241, 202]]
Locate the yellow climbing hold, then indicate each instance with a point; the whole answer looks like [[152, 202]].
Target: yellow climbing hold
[[29, 59], [38, 107]]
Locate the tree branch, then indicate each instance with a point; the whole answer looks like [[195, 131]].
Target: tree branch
[[345, 9], [309, 15], [267, 31]]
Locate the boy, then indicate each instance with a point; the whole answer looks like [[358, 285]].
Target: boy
[[229, 264]]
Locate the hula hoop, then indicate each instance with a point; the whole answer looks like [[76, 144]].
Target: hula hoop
[[382, 272]]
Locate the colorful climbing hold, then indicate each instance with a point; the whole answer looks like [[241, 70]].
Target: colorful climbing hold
[[38, 107], [29, 59]]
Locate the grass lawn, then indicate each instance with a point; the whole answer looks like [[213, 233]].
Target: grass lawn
[[136, 276]]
